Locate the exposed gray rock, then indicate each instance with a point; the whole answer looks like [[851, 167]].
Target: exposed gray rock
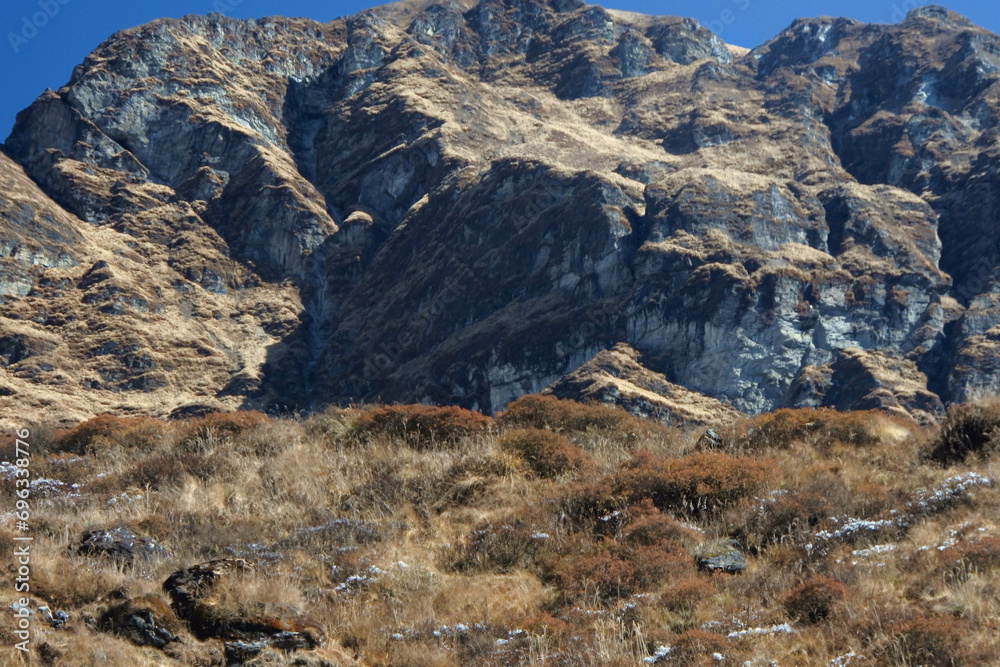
[[727, 558], [144, 622], [120, 544]]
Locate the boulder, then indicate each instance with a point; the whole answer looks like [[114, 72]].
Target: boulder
[[726, 557], [144, 622], [120, 544]]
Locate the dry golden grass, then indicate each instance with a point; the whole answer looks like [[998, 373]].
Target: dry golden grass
[[404, 552]]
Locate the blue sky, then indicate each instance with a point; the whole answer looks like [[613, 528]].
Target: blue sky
[[42, 40]]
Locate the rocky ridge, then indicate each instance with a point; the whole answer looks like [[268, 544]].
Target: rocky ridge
[[463, 203]]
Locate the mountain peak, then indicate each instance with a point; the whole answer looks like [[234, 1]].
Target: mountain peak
[[459, 203]]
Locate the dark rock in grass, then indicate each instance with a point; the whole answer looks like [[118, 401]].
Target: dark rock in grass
[[726, 558], [710, 439], [190, 593], [121, 544], [144, 622], [56, 619]]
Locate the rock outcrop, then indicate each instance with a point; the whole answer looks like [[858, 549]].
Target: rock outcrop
[[194, 599], [463, 203], [617, 377]]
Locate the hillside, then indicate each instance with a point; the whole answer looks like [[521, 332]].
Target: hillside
[[461, 204], [557, 534]]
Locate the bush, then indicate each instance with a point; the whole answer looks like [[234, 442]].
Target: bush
[[164, 471], [814, 599], [647, 526], [683, 593], [931, 641], [502, 548], [548, 454], [969, 429], [420, 424], [979, 555], [557, 414], [613, 571], [130, 432], [819, 427], [223, 423], [784, 514], [696, 484]]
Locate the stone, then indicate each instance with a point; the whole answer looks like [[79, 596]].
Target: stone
[[710, 439], [121, 544], [244, 635], [727, 558], [144, 622], [56, 619]]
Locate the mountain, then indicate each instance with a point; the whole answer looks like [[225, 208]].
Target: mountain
[[463, 203]]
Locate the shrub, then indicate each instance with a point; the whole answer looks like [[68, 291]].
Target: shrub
[[223, 423], [557, 414], [969, 429], [819, 427], [814, 599], [931, 641], [137, 432], [696, 484], [646, 526], [548, 454], [613, 571], [784, 514], [545, 625], [163, 471], [420, 424], [683, 593], [502, 548], [967, 556]]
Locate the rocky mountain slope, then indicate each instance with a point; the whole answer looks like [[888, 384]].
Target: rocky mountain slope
[[463, 203]]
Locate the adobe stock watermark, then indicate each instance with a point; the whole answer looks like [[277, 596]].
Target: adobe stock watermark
[[727, 17], [225, 6], [32, 24], [899, 12], [21, 469]]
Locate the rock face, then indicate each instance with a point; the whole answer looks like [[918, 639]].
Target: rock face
[[464, 203], [616, 377]]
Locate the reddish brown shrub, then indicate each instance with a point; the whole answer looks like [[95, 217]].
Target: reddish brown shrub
[[969, 429], [542, 411], [819, 427], [421, 425], [697, 484], [613, 571], [814, 599], [545, 625], [548, 454], [931, 641], [140, 432], [683, 594], [978, 555], [646, 526], [782, 515], [224, 423]]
